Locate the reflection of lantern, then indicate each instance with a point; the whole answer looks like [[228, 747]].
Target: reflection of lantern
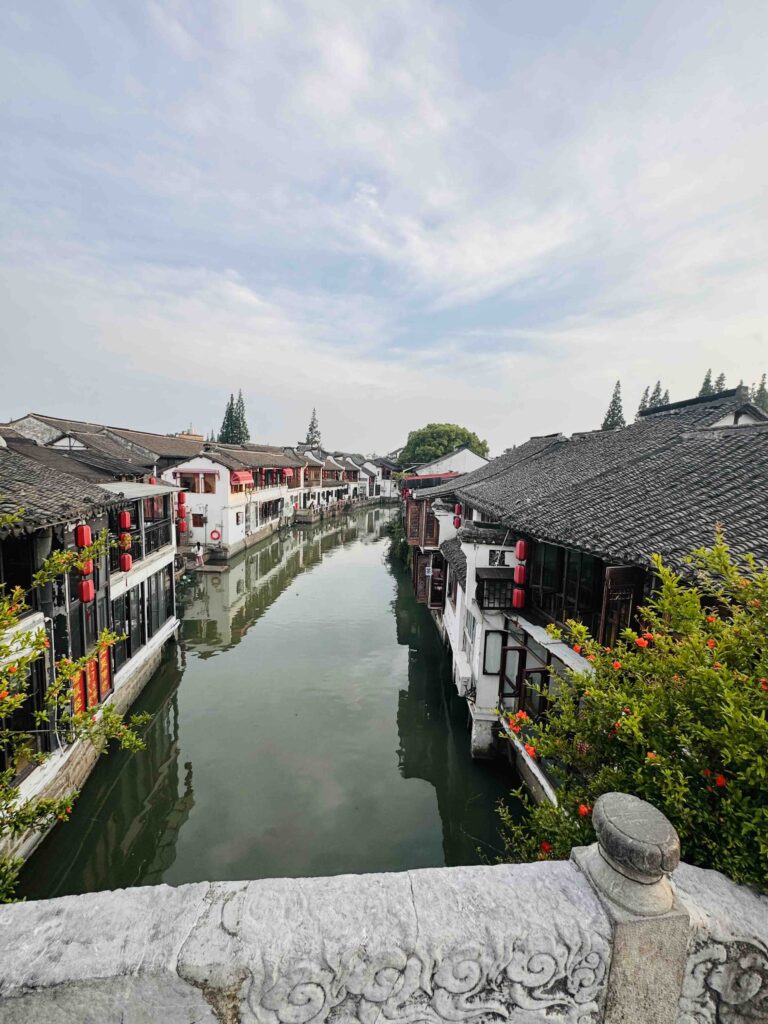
[[86, 591], [520, 574], [83, 536], [87, 567], [126, 563], [521, 550], [457, 521], [124, 520], [182, 527], [518, 598]]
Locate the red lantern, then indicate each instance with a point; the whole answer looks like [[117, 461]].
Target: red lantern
[[182, 511], [153, 480], [520, 573], [125, 540], [182, 527], [86, 591], [518, 598], [83, 536], [457, 508], [457, 521], [87, 567], [126, 563], [521, 550], [124, 520], [182, 498]]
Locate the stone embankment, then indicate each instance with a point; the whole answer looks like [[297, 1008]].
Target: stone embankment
[[621, 934]]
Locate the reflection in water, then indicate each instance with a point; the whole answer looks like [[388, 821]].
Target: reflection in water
[[318, 713]]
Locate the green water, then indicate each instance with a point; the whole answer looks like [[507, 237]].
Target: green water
[[305, 724]]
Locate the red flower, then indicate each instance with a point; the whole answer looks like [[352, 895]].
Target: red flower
[[577, 648], [530, 750], [590, 657], [711, 643], [584, 810], [69, 810], [641, 641], [522, 715], [651, 755], [46, 642], [3, 694], [717, 665], [617, 665], [13, 669], [764, 684], [711, 618], [545, 847], [707, 772], [721, 781], [515, 728], [648, 636]]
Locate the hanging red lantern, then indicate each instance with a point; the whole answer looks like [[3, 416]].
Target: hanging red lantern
[[126, 563], [153, 480], [182, 498], [83, 536], [521, 550], [182, 512], [124, 519], [86, 591], [87, 567], [125, 540], [182, 527], [520, 574], [457, 508], [518, 598], [457, 521]]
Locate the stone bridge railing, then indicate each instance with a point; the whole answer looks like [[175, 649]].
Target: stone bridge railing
[[608, 936]]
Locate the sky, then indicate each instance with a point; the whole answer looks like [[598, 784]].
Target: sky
[[476, 212]]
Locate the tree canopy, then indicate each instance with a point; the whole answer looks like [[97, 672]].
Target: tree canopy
[[234, 426], [313, 431], [438, 439], [614, 417]]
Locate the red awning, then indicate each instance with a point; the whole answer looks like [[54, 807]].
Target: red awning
[[242, 476], [287, 472]]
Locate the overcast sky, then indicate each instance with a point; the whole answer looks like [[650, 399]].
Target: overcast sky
[[402, 211]]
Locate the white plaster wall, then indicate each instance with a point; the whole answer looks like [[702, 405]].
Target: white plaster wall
[[463, 461]]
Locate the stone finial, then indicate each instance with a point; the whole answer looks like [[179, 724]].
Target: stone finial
[[636, 849], [640, 841]]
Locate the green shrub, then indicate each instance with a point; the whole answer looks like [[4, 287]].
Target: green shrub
[[675, 714]]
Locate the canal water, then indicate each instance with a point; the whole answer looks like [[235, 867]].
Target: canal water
[[305, 724]]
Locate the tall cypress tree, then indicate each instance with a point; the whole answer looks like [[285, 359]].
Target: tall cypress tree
[[240, 431], [665, 397], [313, 431], [643, 403], [655, 400], [614, 417], [226, 434], [720, 383], [760, 395], [707, 388]]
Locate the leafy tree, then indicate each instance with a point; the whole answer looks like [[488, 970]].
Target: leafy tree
[[656, 398], [676, 713], [240, 424], [438, 439], [707, 387], [614, 417], [227, 432], [643, 403], [313, 437], [720, 383], [19, 649], [760, 395]]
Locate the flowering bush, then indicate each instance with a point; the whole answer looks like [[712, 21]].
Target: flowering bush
[[676, 713]]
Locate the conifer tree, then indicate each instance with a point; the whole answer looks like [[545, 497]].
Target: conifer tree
[[720, 383], [240, 431], [614, 417], [313, 431], [665, 397], [760, 395], [706, 387], [655, 400], [643, 403], [226, 434]]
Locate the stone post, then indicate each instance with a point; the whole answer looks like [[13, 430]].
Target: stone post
[[629, 868]]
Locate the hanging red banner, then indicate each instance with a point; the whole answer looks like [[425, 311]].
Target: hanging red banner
[[92, 683], [78, 693], [105, 682]]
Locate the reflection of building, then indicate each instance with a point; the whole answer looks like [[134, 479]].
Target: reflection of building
[[219, 609], [128, 818]]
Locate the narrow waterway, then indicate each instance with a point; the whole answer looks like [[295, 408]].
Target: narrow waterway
[[305, 724]]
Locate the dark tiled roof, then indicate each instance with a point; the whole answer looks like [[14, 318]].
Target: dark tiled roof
[[455, 557], [479, 533], [56, 459], [46, 495], [237, 457], [161, 445]]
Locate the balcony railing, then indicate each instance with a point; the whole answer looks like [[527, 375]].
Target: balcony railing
[[157, 536]]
